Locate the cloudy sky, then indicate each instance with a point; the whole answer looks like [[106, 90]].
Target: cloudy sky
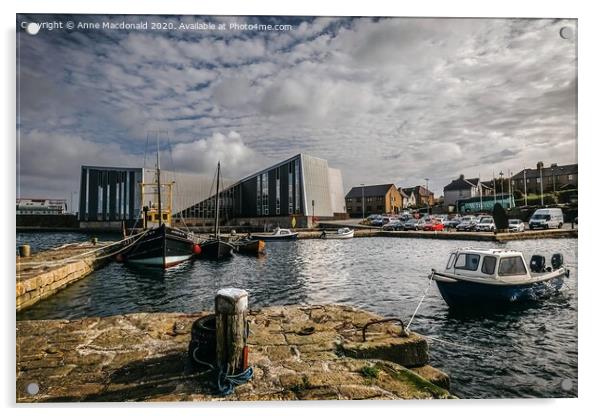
[[384, 100]]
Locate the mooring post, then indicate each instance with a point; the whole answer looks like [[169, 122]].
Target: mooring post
[[231, 306], [24, 250]]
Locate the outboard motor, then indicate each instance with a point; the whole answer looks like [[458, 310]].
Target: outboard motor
[[537, 264], [557, 261]]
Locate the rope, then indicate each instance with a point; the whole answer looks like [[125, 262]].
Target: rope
[[225, 383], [421, 300], [87, 253]]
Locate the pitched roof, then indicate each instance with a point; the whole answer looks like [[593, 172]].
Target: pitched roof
[[549, 171], [370, 190], [419, 189], [461, 183]]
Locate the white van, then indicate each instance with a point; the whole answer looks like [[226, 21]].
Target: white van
[[546, 218]]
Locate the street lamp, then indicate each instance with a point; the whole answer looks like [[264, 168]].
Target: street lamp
[[502, 193], [541, 182], [428, 205], [363, 214]]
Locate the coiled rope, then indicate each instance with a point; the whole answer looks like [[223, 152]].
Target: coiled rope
[[225, 383]]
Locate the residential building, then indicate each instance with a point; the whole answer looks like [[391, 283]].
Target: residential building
[[555, 178], [462, 188], [420, 195], [373, 199]]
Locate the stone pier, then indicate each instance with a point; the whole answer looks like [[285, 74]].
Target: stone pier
[[297, 353]]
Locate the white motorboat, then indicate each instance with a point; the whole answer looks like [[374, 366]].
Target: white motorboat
[[340, 234]]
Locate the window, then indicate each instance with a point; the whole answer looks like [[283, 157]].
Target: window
[[258, 195], [358, 199], [265, 194], [164, 216], [467, 262], [538, 180], [290, 188], [570, 177], [488, 266], [511, 266], [297, 189], [450, 262]]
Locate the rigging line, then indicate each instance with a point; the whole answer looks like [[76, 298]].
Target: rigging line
[[178, 196], [422, 299]]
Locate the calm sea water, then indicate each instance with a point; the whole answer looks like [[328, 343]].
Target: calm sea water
[[526, 352]]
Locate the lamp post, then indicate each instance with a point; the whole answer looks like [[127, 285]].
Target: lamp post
[[541, 182], [502, 190], [428, 205], [363, 213]]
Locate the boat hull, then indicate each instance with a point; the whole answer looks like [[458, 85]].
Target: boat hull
[[160, 247], [336, 236], [467, 294], [289, 237], [253, 247], [216, 249]]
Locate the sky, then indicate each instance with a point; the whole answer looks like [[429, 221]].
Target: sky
[[385, 100]]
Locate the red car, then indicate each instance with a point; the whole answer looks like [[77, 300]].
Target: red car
[[433, 226]]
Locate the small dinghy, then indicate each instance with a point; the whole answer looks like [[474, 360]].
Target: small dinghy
[[340, 234], [249, 246], [487, 277], [279, 234]]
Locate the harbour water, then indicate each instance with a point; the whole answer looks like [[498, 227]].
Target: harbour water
[[525, 352]]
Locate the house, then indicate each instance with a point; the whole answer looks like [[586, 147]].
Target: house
[[408, 200], [421, 196], [555, 178], [463, 188], [373, 199]]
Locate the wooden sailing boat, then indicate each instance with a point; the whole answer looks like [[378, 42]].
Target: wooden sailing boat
[[161, 245], [214, 247]]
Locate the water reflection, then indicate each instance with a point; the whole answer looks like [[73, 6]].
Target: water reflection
[[525, 351]]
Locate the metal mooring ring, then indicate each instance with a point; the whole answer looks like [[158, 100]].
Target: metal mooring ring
[[403, 329]]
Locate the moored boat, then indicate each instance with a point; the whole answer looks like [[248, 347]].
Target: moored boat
[[494, 277], [214, 247], [250, 246], [160, 244], [340, 234], [279, 234]]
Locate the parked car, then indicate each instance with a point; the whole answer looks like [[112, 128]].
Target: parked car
[[433, 225], [486, 223], [394, 225], [516, 225], [467, 223], [451, 222], [410, 224], [378, 221], [547, 218], [421, 223]]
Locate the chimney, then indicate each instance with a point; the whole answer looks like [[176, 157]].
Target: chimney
[[554, 165]]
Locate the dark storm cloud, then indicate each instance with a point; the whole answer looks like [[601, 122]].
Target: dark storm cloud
[[385, 100]]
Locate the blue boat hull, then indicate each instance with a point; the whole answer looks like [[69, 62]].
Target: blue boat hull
[[463, 294]]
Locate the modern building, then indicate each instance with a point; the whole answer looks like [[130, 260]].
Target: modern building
[[41, 206], [462, 188], [420, 195], [373, 199], [555, 178], [110, 195], [293, 193]]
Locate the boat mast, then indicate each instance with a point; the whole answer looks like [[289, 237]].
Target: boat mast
[[159, 183], [217, 204]]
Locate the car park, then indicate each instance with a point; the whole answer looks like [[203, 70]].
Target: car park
[[451, 222], [516, 225]]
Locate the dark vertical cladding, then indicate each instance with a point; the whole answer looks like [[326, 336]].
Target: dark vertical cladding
[[132, 196], [93, 195], [82, 199], [112, 192]]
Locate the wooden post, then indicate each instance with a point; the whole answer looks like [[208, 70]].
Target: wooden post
[[24, 250], [231, 306]]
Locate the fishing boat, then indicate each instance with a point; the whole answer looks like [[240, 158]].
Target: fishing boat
[[340, 234], [490, 277], [279, 234], [249, 246], [215, 247], [159, 244]]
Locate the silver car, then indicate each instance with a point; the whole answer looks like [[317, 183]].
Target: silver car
[[516, 225]]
